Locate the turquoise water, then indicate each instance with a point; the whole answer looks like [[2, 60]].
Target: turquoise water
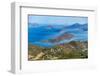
[[37, 33]]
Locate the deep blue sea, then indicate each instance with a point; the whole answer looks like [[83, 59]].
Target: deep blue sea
[[37, 33]]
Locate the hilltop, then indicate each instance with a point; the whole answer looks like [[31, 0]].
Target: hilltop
[[72, 50]]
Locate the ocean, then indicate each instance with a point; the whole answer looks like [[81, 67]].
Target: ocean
[[47, 35]]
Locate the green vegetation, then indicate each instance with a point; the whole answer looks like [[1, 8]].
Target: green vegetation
[[72, 50]]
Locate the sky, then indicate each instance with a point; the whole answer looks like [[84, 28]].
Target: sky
[[63, 20]]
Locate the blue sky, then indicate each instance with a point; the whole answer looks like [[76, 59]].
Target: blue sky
[[63, 20]]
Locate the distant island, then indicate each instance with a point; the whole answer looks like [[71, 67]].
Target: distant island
[[60, 38]]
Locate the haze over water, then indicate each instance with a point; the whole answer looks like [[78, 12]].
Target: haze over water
[[47, 28]]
